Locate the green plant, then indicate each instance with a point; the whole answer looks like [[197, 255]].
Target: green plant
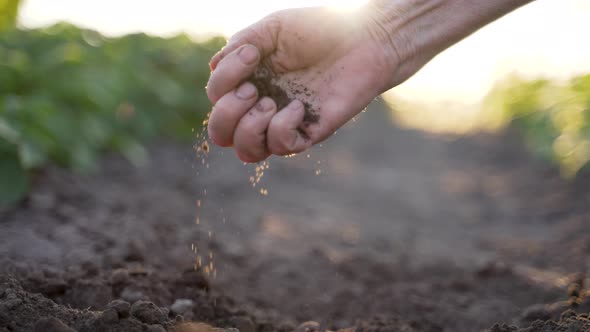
[[8, 13], [554, 118], [67, 95]]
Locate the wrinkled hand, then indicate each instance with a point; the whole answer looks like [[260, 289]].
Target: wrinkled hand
[[329, 63]]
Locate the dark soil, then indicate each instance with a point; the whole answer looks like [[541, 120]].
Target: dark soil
[[266, 82], [401, 231]]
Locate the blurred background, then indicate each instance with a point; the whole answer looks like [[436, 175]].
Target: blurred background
[[81, 77], [458, 200]]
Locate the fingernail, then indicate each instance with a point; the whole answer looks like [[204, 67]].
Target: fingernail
[[248, 54], [296, 104], [246, 91], [264, 105]]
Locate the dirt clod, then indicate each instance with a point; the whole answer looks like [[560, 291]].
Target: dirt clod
[[147, 312], [122, 308], [156, 328], [109, 316], [120, 277], [52, 324]]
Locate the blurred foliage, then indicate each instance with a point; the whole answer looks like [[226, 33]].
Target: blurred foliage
[[68, 94], [554, 118], [8, 11]]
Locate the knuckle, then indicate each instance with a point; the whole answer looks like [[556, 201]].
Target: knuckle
[[215, 131], [283, 143], [289, 140], [273, 21], [249, 126]]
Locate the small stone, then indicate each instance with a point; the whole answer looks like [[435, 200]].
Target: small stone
[[109, 316], [182, 306], [308, 327], [119, 277], [121, 307], [130, 295], [52, 324], [147, 312], [244, 324]]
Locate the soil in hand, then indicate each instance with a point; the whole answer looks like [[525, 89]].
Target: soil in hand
[[267, 83]]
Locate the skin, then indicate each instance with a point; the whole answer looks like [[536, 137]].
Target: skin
[[345, 61]]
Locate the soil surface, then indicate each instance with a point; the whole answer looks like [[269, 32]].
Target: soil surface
[[381, 229]]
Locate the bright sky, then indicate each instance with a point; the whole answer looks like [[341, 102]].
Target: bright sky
[[547, 37]]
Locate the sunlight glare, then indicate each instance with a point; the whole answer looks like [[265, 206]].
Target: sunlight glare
[[346, 5]]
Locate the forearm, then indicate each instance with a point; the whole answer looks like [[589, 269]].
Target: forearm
[[420, 29]]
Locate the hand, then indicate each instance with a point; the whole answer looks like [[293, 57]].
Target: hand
[[330, 65]]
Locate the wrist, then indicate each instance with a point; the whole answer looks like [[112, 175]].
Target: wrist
[[417, 30]]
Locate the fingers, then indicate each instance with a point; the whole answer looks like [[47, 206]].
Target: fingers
[[284, 135], [250, 135], [231, 70], [228, 111], [257, 130], [263, 35], [215, 60]]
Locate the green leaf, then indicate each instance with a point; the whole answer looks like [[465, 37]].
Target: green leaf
[[31, 155], [134, 152], [14, 179], [8, 11], [8, 133]]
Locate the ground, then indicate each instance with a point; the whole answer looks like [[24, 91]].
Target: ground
[[379, 229]]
